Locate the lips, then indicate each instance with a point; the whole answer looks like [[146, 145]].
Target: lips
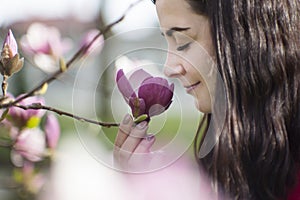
[[191, 87]]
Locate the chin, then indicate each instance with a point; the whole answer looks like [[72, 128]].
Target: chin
[[203, 107]]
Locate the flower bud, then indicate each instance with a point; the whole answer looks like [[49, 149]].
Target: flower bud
[[11, 42], [10, 61]]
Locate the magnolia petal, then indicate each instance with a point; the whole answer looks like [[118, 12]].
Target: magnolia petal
[[138, 106], [124, 86], [156, 109], [12, 43], [138, 77], [171, 87], [42, 39], [52, 131], [156, 91], [46, 62], [31, 112], [31, 144], [29, 48], [16, 158], [19, 117]]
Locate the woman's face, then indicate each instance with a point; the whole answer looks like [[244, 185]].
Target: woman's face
[[190, 49]]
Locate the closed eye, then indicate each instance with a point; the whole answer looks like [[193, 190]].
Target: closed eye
[[183, 47]]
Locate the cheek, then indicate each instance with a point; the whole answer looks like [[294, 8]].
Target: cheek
[[200, 60], [203, 99]]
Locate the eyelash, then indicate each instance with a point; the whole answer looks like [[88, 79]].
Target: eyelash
[[183, 47]]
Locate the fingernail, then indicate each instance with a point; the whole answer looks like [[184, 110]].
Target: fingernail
[[126, 119], [141, 125], [150, 138]]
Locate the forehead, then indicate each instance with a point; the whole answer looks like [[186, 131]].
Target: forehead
[[178, 13], [175, 12]]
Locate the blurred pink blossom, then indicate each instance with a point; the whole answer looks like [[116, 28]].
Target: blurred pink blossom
[[30, 145], [29, 141], [44, 39], [183, 179], [33, 180], [19, 117], [46, 45], [52, 131]]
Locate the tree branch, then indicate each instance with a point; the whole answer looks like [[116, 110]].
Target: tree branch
[[5, 144], [38, 106], [75, 57]]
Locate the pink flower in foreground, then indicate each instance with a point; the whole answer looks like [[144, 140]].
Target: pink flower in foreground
[[52, 131], [154, 94], [19, 117], [10, 62], [30, 145]]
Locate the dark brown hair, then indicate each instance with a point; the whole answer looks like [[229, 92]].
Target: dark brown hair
[[258, 53], [257, 45]]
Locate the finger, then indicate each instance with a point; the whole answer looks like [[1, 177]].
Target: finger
[[136, 136], [124, 131], [141, 158], [145, 144]]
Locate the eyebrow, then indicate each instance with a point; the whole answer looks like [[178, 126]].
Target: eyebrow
[[175, 29]]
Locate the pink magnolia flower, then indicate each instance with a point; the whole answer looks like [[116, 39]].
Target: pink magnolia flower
[[154, 94], [44, 39], [46, 45], [19, 117], [30, 145], [10, 62], [52, 131]]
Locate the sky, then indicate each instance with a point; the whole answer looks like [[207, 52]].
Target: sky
[[19, 10], [84, 10]]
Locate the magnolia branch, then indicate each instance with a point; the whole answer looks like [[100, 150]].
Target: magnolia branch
[[5, 144], [76, 56], [38, 106]]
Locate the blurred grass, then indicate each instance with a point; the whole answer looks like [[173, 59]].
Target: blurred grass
[[164, 131]]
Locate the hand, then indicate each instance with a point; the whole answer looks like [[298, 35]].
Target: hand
[[132, 146]]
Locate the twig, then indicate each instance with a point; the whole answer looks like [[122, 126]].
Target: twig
[[76, 56], [5, 144], [4, 85], [38, 106]]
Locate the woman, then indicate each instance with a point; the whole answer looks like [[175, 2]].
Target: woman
[[256, 46]]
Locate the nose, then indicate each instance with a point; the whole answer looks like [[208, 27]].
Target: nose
[[173, 66]]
